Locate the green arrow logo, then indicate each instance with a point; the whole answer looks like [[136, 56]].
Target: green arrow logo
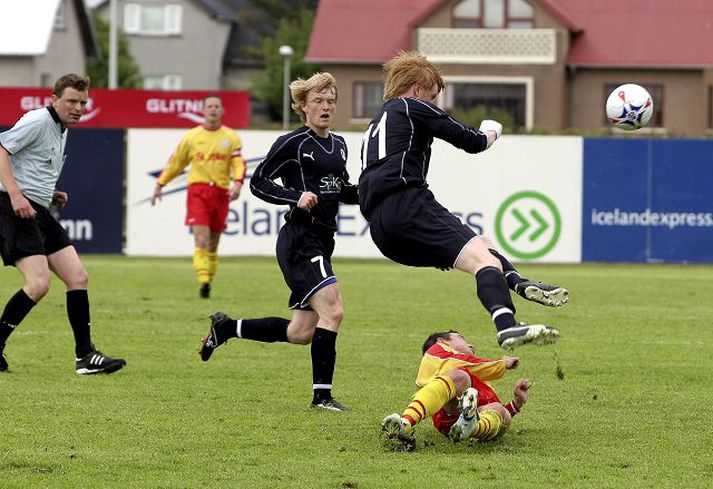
[[528, 225]]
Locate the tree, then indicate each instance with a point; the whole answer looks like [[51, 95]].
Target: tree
[[294, 32], [129, 75]]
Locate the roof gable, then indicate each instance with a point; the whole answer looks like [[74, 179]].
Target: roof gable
[[26, 27]]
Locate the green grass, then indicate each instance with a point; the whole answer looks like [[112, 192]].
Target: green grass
[[633, 408]]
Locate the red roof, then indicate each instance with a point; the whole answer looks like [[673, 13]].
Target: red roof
[[606, 33], [365, 31], [646, 33]]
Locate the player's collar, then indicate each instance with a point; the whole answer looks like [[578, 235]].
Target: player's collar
[[55, 117]]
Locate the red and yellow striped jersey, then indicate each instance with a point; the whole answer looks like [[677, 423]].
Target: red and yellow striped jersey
[[214, 155], [441, 359]]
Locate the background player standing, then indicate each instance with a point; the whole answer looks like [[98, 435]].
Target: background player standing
[[214, 153], [311, 164], [406, 222], [31, 239]]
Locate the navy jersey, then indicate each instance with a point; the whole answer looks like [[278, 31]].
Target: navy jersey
[[397, 147], [306, 162]]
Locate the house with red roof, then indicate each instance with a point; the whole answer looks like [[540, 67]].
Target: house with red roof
[[550, 64]]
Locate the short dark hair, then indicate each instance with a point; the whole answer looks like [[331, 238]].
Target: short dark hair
[[212, 95], [71, 80], [433, 339]]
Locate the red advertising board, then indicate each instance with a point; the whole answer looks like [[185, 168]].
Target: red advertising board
[[131, 108]]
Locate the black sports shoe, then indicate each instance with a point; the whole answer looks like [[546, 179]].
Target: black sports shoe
[[549, 295], [215, 336], [330, 404], [520, 334], [3, 363], [98, 363], [204, 291]]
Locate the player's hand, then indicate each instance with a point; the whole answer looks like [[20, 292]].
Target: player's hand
[[522, 391], [59, 199], [234, 191], [492, 129], [22, 206], [307, 201], [158, 189], [511, 362]]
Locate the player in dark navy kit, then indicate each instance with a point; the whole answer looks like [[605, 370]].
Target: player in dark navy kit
[[408, 225], [311, 164]]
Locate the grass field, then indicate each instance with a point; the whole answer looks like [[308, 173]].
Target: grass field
[[632, 410]]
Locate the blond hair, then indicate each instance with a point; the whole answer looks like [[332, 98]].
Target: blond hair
[[407, 69], [300, 88]]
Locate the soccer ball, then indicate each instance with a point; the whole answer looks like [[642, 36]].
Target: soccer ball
[[629, 107]]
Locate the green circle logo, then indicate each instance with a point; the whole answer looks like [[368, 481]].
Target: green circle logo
[[528, 225]]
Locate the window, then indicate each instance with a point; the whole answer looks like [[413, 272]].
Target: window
[[368, 98], [163, 82], [60, 19], [511, 14], [153, 19], [496, 99], [656, 92]]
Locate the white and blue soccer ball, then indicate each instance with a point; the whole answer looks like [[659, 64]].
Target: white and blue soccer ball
[[629, 107]]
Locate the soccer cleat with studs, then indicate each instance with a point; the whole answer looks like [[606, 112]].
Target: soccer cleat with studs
[[399, 433], [521, 334], [549, 295], [215, 335], [330, 404], [204, 291], [96, 362], [468, 418]]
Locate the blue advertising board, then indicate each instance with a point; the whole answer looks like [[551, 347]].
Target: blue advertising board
[[93, 177], [647, 200]]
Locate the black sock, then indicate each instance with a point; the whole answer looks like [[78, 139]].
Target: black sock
[[267, 330], [324, 357], [495, 297], [15, 311], [511, 275], [78, 315]]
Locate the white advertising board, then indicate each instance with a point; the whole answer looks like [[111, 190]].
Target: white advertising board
[[524, 193]]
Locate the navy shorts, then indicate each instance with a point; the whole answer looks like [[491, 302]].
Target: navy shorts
[[20, 237], [304, 256], [410, 227]]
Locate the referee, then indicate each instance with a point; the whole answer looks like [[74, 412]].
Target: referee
[[31, 239]]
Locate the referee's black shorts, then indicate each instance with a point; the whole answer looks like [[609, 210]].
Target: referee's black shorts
[[21, 237], [410, 227], [305, 257]]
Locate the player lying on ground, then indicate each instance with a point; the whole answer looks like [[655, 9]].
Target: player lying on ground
[[454, 391]]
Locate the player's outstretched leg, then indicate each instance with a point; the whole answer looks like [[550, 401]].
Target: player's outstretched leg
[[217, 334], [95, 362], [3, 363], [397, 429], [549, 295], [520, 334], [468, 418]]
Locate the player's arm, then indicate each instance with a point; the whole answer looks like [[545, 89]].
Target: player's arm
[[445, 127], [176, 164], [237, 170], [276, 165], [19, 203]]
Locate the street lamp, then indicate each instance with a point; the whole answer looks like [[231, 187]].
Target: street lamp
[[286, 53]]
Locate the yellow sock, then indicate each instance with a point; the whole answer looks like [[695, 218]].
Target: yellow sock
[[429, 399], [490, 426], [200, 264], [212, 263]]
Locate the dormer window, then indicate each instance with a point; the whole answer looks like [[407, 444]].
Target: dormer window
[[497, 14]]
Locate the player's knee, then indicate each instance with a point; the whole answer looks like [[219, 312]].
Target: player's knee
[[460, 379], [299, 334], [333, 317], [38, 286]]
